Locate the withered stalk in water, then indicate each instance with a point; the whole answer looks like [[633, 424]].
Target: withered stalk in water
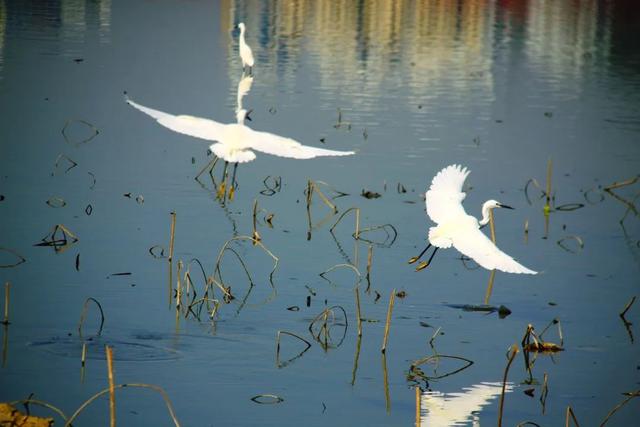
[[512, 354], [388, 324]]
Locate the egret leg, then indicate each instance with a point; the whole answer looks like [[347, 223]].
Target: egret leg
[[416, 258], [424, 264], [222, 189], [233, 181]]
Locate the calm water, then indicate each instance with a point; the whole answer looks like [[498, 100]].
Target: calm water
[[500, 87]]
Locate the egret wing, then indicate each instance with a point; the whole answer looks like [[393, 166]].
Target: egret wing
[[286, 147], [188, 125], [475, 244], [445, 195]]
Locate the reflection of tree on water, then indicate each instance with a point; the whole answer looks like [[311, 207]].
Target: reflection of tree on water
[[450, 409]]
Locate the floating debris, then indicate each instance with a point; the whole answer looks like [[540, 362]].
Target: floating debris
[[93, 184], [140, 199], [10, 416], [157, 251], [19, 259], [64, 161], [367, 194], [321, 325], [88, 210], [501, 310], [56, 202], [569, 207], [60, 238], [69, 128], [416, 373], [267, 399], [293, 308], [563, 244], [272, 184], [78, 262]]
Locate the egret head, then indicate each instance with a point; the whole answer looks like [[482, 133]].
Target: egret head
[[487, 206], [241, 26]]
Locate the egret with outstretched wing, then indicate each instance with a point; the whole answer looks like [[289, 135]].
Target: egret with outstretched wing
[[458, 229], [236, 141]]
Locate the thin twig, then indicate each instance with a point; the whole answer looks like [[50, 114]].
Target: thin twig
[[513, 351], [107, 390], [620, 405], [112, 394], [388, 323]]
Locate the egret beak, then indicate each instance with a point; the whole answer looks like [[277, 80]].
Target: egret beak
[[504, 206], [247, 116]]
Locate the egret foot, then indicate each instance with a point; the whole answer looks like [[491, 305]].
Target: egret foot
[[422, 265]]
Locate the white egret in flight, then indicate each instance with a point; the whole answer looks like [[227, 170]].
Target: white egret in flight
[[235, 142], [458, 229], [245, 51]]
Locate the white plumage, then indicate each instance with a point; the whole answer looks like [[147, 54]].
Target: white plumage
[[458, 229], [235, 141], [453, 409], [245, 51]]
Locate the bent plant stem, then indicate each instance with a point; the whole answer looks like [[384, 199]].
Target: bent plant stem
[[512, 354], [40, 403], [120, 386], [620, 405], [83, 315]]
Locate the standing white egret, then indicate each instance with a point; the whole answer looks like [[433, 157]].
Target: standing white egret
[[245, 51], [235, 141], [458, 229]]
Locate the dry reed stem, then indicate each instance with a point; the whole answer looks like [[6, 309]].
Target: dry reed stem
[[355, 360], [437, 357], [417, 388], [351, 266], [489, 291], [179, 287], [212, 163], [255, 235], [622, 313], [112, 393], [621, 183], [7, 286], [573, 416], [83, 315], [369, 261], [358, 316], [512, 354], [282, 364], [263, 247], [385, 381], [388, 323], [313, 186], [620, 405], [549, 172], [544, 392], [119, 386], [83, 357], [170, 258], [356, 234]]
